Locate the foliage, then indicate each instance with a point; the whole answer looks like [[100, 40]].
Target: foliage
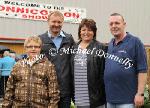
[[146, 97], [72, 105]]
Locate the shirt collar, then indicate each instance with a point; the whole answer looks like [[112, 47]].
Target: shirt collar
[[123, 40], [61, 34]]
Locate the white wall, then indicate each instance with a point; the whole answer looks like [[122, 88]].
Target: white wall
[[135, 12]]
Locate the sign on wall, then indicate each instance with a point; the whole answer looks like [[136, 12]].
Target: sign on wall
[[36, 11]]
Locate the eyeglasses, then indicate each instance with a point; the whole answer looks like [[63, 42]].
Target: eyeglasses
[[31, 47]]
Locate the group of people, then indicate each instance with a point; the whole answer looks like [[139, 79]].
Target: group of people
[[7, 61], [92, 75]]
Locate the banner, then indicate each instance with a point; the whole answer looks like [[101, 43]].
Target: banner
[[36, 11]]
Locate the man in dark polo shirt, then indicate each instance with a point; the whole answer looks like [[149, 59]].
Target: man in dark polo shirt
[[125, 72]]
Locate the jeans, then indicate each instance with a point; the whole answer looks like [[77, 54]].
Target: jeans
[[3, 83], [110, 105], [103, 106], [64, 102]]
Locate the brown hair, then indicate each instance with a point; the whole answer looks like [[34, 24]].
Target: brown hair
[[89, 23], [56, 13], [117, 14]]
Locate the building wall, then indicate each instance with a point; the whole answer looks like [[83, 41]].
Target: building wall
[[17, 47], [135, 12]]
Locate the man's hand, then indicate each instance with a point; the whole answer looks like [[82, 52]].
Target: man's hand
[[138, 100]]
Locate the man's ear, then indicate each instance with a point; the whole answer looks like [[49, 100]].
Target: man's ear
[[125, 23]]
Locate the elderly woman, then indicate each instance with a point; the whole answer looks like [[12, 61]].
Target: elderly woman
[[33, 82], [88, 68]]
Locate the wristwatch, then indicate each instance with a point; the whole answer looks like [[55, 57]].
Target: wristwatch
[[140, 94]]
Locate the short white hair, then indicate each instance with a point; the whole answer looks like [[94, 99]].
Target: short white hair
[[6, 53]]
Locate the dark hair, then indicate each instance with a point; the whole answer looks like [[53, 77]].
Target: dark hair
[[117, 14], [89, 23]]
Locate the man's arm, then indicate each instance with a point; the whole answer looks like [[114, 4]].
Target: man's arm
[[53, 87], [9, 92], [139, 97]]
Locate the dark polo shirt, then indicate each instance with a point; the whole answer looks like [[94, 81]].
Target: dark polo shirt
[[121, 70]]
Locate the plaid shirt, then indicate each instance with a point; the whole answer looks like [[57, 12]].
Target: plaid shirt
[[32, 86]]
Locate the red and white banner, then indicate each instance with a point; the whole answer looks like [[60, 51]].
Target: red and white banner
[[36, 11]]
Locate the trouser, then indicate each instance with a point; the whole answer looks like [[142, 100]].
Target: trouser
[[102, 106], [110, 105], [3, 83], [64, 102]]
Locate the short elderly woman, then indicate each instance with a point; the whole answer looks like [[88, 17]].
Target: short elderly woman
[[33, 82], [88, 68]]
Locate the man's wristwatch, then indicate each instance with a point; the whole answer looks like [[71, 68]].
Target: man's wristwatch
[[140, 94]]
